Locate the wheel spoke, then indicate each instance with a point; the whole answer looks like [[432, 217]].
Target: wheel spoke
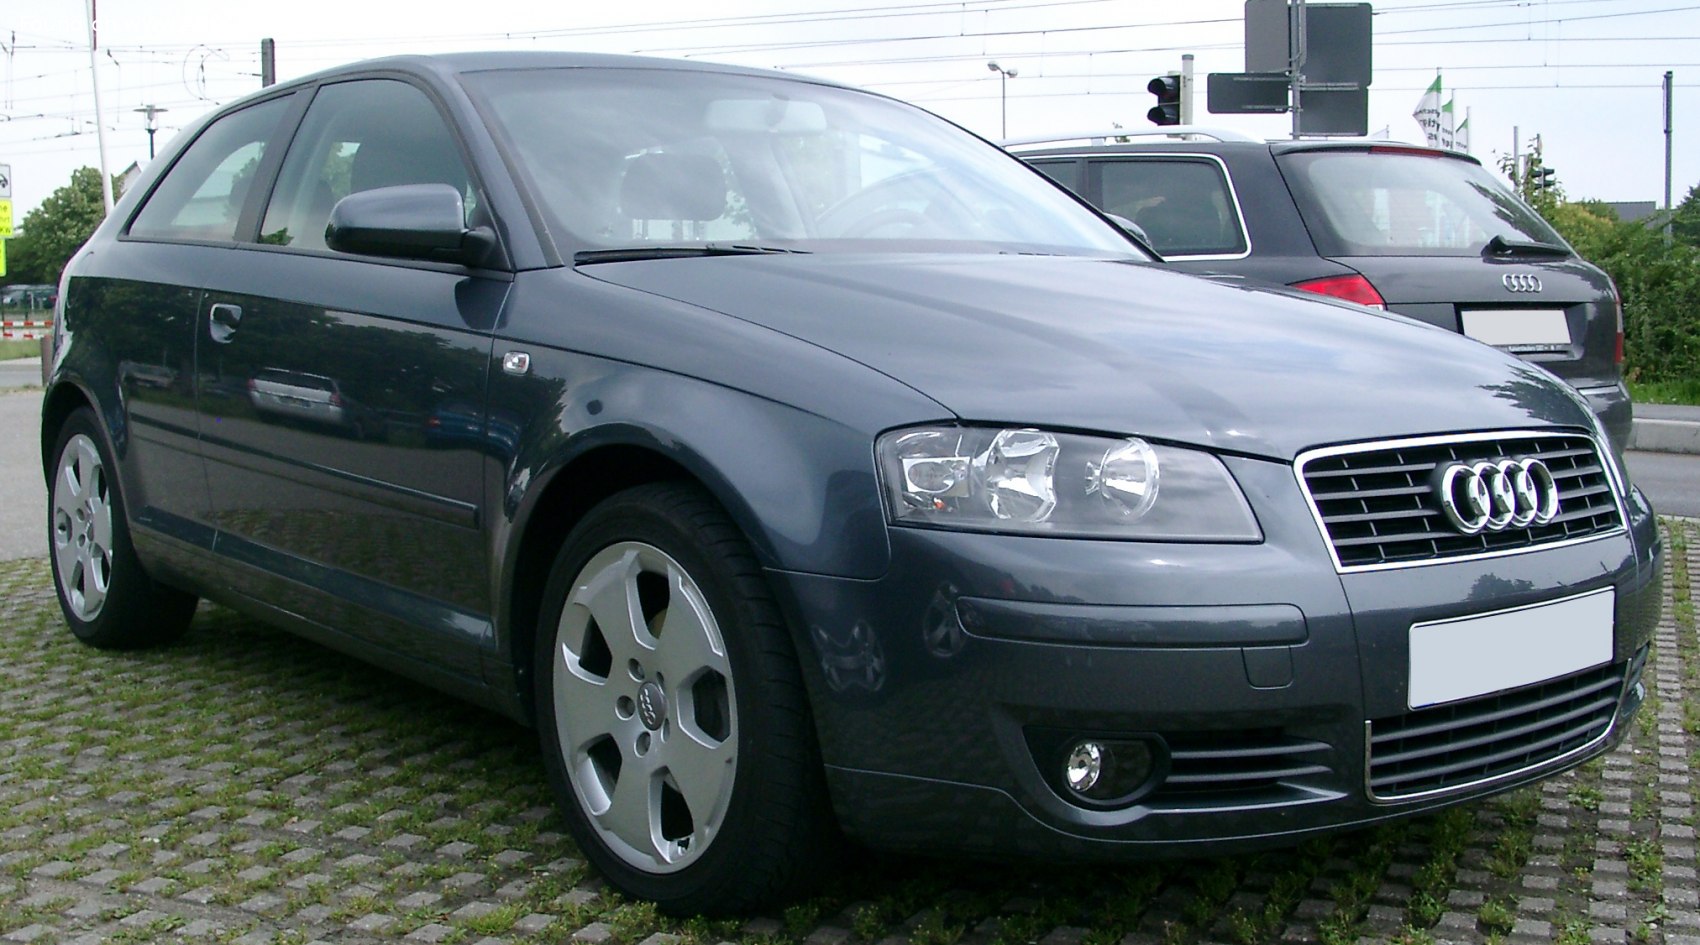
[[610, 595], [95, 578], [690, 639], [634, 809], [703, 775], [584, 709]]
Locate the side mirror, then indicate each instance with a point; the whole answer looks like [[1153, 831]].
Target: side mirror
[[1137, 232], [411, 221], [1130, 226]]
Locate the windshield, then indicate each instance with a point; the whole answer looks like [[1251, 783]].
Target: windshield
[[1378, 203], [634, 158]]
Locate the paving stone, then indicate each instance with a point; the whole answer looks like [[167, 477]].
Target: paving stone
[[596, 933], [430, 932], [372, 922], [533, 923]]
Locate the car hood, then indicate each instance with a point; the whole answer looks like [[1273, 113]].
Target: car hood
[[1108, 346]]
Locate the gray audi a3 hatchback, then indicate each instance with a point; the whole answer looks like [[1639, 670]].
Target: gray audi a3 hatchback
[[800, 466]]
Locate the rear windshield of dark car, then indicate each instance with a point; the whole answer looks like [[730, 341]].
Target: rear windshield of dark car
[[1386, 203]]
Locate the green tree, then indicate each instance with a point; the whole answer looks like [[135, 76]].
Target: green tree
[[1685, 218], [52, 232], [1659, 285]]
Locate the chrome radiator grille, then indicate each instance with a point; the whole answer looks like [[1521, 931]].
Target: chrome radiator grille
[[1379, 506]]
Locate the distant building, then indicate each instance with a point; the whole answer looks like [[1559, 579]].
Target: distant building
[[1631, 210], [134, 171]]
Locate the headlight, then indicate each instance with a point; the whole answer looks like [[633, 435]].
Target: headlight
[[1042, 483]]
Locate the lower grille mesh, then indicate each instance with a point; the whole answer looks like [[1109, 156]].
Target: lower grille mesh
[[1243, 765], [1439, 748]]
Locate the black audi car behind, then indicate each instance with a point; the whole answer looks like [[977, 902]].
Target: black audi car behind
[[1425, 232], [799, 464]]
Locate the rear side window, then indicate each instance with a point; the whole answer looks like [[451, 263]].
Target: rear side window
[[359, 136], [1183, 204], [1379, 203], [201, 196], [1065, 173]]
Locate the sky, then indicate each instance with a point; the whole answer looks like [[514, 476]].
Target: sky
[[1584, 75]]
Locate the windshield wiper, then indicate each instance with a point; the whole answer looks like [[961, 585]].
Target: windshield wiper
[[629, 253], [1500, 246]]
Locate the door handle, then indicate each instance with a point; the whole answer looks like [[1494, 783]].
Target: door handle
[[222, 321]]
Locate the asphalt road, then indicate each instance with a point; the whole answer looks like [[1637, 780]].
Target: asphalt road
[[24, 372], [1671, 480], [23, 494]]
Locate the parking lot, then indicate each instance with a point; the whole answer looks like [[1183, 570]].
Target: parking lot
[[244, 785]]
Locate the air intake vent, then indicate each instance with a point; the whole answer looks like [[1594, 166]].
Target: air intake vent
[[1451, 746], [1379, 506], [1241, 767]]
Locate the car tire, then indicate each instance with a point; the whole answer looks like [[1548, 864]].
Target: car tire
[[674, 725], [106, 596]]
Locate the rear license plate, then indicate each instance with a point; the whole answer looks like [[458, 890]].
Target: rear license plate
[[1473, 656], [1517, 328]]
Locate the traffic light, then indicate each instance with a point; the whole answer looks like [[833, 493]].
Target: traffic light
[[1167, 88], [1544, 178]]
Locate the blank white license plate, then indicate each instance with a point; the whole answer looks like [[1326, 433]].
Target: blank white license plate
[[1517, 327], [1473, 656]]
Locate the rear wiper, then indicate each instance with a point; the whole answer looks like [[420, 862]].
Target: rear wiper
[[1500, 246], [629, 253]]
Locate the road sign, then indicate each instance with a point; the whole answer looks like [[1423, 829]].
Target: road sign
[[1337, 44], [1246, 93], [6, 181], [6, 218], [1334, 112]]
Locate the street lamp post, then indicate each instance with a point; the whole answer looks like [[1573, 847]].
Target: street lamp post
[[1004, 75], [149, 111]]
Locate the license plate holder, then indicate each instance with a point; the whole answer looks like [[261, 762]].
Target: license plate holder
[[1465, 657], [1518, 329]]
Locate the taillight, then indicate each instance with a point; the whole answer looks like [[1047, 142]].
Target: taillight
[[1352, 288], [1617, 300], [336, 400]]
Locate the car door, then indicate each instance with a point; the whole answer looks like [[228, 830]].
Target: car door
[[139, 305], [325, 380]]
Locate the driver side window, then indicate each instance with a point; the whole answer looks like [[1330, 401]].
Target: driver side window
[[359, 136]]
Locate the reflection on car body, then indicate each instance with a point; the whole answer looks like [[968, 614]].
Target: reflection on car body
[[797, 463]]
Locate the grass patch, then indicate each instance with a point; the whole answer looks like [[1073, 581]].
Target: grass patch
[[13, 349], [1681, 391]]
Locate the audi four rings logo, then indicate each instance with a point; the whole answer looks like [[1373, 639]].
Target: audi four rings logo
[[1521, 282], [1491, 496]]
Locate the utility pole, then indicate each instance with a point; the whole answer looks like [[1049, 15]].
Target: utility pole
[[148, 112], [1296, 53], [1516, 161], [99, 122], [1186, 88], [268, 62], [1669, 91]]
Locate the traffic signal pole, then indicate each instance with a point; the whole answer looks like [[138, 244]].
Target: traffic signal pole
[[1296, 58], [1187, 94]]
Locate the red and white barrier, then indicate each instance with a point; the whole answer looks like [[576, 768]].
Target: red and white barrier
[[25, 329]]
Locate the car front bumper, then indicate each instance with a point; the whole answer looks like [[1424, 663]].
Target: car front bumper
[[941, 689]]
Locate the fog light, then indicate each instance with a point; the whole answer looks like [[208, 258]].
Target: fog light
[[1084, 767]]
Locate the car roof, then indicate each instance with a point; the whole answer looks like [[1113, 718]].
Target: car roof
[[1202, 141], [448, 64]]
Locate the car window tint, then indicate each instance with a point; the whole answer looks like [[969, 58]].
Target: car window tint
[[1183, 205], [359, 136], [1369, 203], [1063, 172], [201, 196]]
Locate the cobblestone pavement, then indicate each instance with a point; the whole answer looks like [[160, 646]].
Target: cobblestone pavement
[[246, 786]]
